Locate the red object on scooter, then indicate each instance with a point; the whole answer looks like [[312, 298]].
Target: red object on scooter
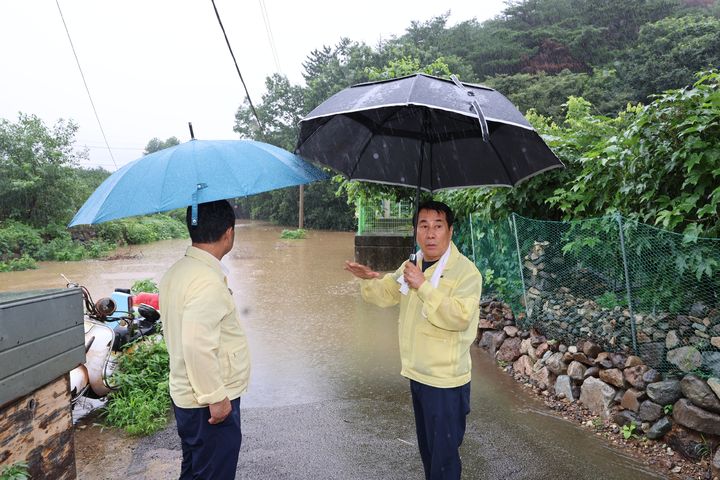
[[152, 299]]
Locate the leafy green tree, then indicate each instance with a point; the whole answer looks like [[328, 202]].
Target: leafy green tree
[[669, 52], [662, 167], [280, 111], [547, 94], [427, 43], [155, 144], [330, 69], [38, 185], [579, 132], [89, 179]]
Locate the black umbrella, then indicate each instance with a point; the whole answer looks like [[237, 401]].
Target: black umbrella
[[424, 132]]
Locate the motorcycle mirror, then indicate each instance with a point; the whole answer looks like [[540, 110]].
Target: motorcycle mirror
[[148, 312], [105, 306]]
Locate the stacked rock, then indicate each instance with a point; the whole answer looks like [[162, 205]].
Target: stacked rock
[[684, 412]]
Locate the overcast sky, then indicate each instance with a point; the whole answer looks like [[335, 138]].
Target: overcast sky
[[154, 65]]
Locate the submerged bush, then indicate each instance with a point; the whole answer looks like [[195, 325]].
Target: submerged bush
[[298, 234], [17, 264]]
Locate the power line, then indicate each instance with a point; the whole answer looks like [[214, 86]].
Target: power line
[[247, 94], [115, 148], [271, 38], [97, 117]]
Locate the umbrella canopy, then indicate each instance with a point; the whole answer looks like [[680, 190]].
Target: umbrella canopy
[[194, 172], [425, 132]]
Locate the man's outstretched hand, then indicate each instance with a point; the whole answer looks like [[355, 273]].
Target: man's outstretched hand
[[360, 271]]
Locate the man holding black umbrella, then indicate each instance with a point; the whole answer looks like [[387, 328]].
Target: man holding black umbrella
[[439, 298]]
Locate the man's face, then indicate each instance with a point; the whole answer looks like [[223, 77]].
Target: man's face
[[433, 234]]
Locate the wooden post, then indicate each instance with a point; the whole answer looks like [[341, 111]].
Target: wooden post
[[301, 203], [37, 429]]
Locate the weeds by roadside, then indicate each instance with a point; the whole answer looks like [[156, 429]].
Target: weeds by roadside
[[16, 471], [140, 405]]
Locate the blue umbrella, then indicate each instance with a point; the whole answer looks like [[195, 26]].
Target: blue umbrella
[[194, 172]]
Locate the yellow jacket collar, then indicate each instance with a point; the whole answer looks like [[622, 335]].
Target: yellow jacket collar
[[206, 258], [454, 256]]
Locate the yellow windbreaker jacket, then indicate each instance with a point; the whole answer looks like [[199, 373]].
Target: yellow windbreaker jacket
[[208, 349], [437, 325]]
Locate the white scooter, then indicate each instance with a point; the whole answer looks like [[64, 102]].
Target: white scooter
[[111, 324]]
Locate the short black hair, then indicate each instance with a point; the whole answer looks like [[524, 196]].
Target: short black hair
[[213, 219], [439, 207]]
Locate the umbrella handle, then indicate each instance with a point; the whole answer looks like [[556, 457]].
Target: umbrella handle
[[193, 210], [194, 206]]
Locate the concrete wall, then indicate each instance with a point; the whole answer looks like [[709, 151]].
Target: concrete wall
[[382, 252]]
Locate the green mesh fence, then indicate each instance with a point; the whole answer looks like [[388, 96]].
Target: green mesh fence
[[491, 245], [625, 285], [385, 218]]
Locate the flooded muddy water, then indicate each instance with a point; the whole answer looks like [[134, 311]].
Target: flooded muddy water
[[326, 399]]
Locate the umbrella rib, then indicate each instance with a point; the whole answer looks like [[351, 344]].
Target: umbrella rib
[[373, 128], [507, 172], [165, 174], [366, 142]]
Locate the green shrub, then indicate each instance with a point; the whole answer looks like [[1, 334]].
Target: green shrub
[[147, 285], [610, 300], [177, 214], [136, 233], [17, 264], [112, 232], [298, 234], [98, 249], [62, 249], [141, 403], [16, 471], [18, 239], [165, 227]]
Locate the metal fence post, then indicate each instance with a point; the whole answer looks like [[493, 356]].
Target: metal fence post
[[361, 217], [472, 240], [633, 327], [520, 264]]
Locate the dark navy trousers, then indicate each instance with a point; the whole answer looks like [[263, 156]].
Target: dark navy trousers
[[210, 452], [440, 423]]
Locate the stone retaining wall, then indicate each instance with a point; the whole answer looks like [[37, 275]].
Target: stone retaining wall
[[566, 308], [683, 412]]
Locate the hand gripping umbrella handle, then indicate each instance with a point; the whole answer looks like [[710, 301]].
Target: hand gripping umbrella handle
[[475, 106]]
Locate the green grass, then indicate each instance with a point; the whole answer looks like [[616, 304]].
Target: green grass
[[141, 404], [298, 234]]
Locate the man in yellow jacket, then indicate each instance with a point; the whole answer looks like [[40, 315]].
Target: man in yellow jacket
[[209, 360], [439, 297]]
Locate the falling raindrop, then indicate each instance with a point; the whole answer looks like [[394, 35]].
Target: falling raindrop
[[376, 156]]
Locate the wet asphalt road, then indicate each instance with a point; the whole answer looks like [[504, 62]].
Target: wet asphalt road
[[366, 438]]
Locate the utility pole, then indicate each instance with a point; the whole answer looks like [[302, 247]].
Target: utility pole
[[301, 203]]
